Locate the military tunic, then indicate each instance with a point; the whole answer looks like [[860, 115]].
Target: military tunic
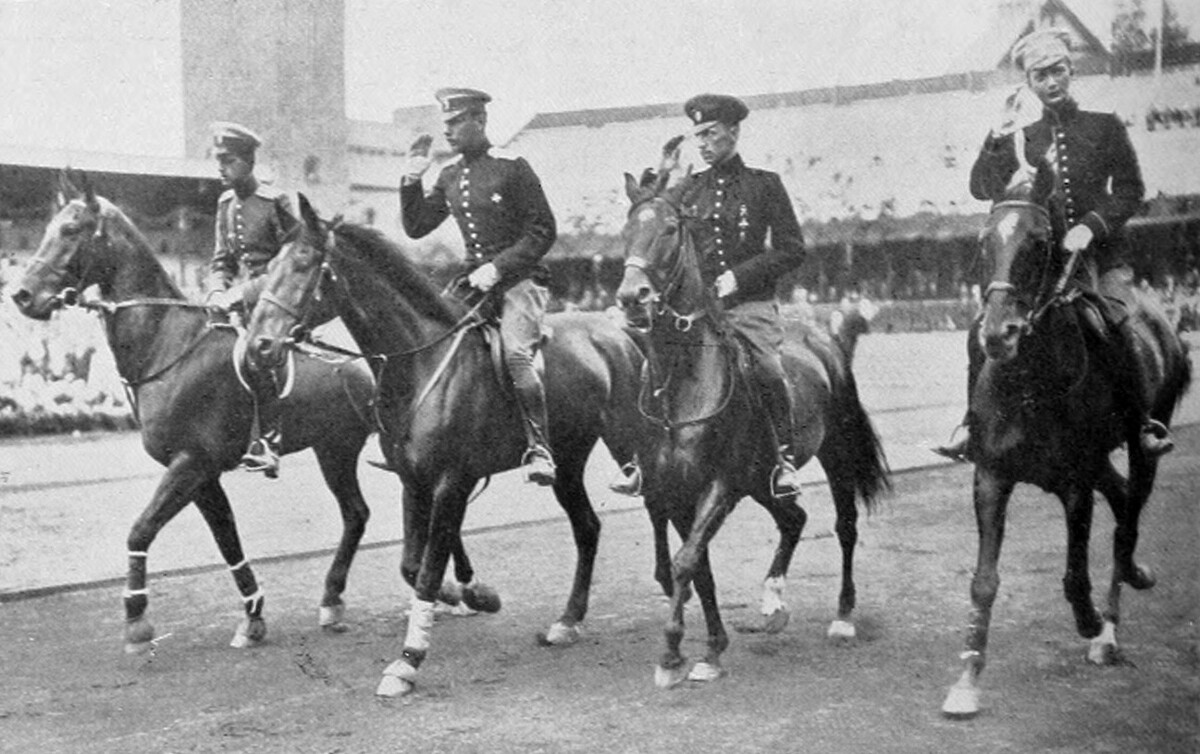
[[734, 208], [249, 232], [1098, 180], [500, 209]]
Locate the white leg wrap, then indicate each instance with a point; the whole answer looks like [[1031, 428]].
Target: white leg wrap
[[134, 593], [136, 554], [420, 622], [1102, 649], [772, 596], [242, 564]]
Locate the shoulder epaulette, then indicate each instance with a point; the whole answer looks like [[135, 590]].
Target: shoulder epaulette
[[268, 192], [503, 154], [225, 196]]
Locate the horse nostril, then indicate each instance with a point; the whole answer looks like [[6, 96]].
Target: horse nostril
[[264, 345], [22, 298]]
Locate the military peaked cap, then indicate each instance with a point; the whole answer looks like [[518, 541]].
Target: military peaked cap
[[233, 138], [456, 101], [707, 109], [1041, 49]]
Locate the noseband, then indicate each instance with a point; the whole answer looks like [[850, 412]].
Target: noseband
[[659, 305]]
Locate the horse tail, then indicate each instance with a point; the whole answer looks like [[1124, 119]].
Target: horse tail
[[852, 442]]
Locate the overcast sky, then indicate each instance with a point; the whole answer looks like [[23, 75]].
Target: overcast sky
[[104, 74]]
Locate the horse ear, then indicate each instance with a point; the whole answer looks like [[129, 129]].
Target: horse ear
[[66, 189], [634, 189], [676, 192], [89, 193], [308, 214]]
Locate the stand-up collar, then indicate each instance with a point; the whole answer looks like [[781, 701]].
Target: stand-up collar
[[1061, 114], [732, 165], [471, 155]]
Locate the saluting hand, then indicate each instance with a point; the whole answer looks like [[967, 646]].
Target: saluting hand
[[1011, 117], [418, 158], [670, 155]]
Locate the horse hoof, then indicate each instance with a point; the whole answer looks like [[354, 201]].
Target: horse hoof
[[450, 593], [961, 703], [560, 635], [481, 597], [138, 633], [134, 649], [1102, 650], [1140, 577], [391, 687], [776, 621], [704, 672], [250, 633], [669, 678], [331, 618], [841, 630]]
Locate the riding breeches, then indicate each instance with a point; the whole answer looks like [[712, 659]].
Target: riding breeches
[[759, 326], [521, 316]]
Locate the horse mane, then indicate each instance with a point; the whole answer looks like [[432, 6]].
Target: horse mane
[[117, 221], [399, 273]]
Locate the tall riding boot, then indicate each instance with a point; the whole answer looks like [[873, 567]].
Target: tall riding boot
[[531, 396], [263, 452], [777, 400], [959, 447], [1129, 390]]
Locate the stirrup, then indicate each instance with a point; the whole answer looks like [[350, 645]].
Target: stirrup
[[957, 450], [260, 456], [1155, 438], [785, 480], [628, 481], [539, 466]]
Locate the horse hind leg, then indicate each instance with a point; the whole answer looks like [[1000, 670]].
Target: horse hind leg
[[585, 525], [174, 491], [339, 466], [789, 519], [842, 628], [1126, 502]]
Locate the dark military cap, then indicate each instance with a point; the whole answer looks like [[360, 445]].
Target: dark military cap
[[707, 109], [233, 138], [456, 101]]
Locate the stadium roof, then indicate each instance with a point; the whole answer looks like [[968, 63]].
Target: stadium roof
[[106, 162]]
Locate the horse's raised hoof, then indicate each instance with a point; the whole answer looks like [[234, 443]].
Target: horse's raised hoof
[[139, 636], [962, 703], [776, 622], [481, 597], [559, 635], [1139, 577], [451, 593], [399, 679], [331, 618], [669, 678], [704, 672], [250, 633], [1102, 650], [841, 630]]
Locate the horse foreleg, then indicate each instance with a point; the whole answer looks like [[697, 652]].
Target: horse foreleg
[[709, 669], [991, 494], [445, 517], [174, 491], [214, 506], [696, 532], [1078, 503], [339, 467], [462, 598]]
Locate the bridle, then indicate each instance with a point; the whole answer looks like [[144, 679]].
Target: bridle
[[68, 293], [658, 307], [1046, 298]]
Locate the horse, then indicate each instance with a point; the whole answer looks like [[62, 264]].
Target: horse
[[194, 415], [1042, 412], [708, 451], [446, 418]]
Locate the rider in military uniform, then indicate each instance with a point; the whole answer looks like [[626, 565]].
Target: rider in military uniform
[[507, 226], [252, 222], [736, 208], [1098, 187]]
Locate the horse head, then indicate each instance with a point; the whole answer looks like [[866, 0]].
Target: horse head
[[69, 257], [292, 297], [1017, 250], [662, 273]]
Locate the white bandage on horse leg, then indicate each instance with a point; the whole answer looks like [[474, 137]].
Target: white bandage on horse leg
[[420, 623], [772, 597]]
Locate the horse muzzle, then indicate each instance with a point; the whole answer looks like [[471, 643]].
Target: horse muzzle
[[1000, 342], [266, 353], [36, 307]]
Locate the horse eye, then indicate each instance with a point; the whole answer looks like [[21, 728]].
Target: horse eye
[[672, 229]]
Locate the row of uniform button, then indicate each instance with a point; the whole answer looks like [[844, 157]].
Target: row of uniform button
[[472, 231], [716, 222], [1060, 149]]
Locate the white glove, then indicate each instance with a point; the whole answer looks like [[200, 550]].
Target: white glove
[[1077, 239], [418, 159], [1011, 117], [726, 284], [484, 277], [224, 300]]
